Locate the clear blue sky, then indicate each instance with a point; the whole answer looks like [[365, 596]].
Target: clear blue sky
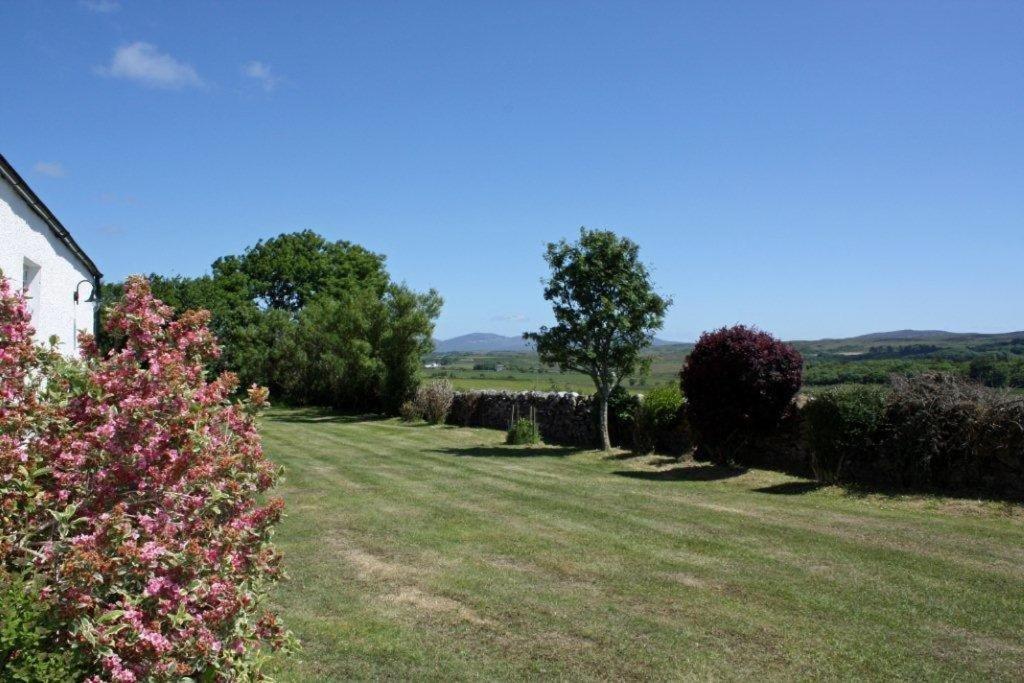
[[818, 169]]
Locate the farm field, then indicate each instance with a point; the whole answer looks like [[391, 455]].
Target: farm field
[[420, 552], [524, 372]]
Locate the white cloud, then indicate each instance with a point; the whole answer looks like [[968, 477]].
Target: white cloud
[[261, 73], [53, 169], [145, 64], [100, 6], [510, 318]]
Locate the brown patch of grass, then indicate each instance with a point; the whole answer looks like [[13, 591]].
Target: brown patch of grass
[[431, 604], [370, 566], [688, 580]]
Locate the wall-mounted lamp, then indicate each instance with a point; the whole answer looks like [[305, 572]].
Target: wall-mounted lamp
[[92, 294]]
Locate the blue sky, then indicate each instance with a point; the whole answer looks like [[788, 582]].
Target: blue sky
[[818, 169]]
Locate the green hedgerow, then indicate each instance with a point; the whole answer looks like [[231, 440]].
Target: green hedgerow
[[842, 425]]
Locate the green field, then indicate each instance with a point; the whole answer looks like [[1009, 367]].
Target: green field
[[525, 372], [420, 552]]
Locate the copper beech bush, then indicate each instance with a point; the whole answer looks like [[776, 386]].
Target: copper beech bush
[[132, 493], [738, 382]]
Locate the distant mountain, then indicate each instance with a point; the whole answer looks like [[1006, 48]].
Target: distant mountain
[[904, 335], [665, 342], [482, 342], [926, 335], [486, 342]]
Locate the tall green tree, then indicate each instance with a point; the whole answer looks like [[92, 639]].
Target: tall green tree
[[406, 335], [359, 352], [606, 312], [315, 321], [292, 269], [227, 297]]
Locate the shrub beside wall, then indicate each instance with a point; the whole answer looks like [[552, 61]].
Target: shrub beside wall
[[659, 424], [522, 432], [434, 401]]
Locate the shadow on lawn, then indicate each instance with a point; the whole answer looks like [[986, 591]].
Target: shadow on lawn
[[684, 473], [624, 455], [791, 488], [510, 451], [318, 416]]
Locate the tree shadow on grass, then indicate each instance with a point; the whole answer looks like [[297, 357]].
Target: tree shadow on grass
[[319, 416], [791, 488], [684, 473], [624, 455], [510, 451], [864, 490], [799, 488]]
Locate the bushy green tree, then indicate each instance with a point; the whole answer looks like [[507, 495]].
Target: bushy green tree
[[329, 356], [260, 351], [291, 270], [318, 322], [606, 312], [406, 336]]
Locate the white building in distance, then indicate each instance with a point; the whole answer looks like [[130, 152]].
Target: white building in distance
[[39, 256]]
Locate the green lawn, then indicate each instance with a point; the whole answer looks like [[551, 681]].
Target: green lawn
[[435, 552]]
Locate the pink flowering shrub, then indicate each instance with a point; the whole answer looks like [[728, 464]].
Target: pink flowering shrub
[[133, 488], [21, 415]]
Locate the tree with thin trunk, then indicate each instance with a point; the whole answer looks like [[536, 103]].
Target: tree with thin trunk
[[606, 312]]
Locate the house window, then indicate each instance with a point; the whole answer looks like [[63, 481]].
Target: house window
[[30, 285]]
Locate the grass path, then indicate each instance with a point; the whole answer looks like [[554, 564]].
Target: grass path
[[438, 553]]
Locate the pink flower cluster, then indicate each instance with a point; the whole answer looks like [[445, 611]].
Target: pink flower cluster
[[133, 485]]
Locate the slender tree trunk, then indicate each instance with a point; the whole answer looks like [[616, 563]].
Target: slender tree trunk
[[606, 442]]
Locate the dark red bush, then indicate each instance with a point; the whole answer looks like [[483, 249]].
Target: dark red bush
[[738, 382]]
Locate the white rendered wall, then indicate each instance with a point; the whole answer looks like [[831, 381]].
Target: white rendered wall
[[23, 234]]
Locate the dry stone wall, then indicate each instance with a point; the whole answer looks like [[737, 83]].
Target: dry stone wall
[[563, 417]]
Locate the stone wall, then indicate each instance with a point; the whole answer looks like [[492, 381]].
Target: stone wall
[[564, 418]]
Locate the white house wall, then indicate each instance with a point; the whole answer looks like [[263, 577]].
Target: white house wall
[[23, 234]]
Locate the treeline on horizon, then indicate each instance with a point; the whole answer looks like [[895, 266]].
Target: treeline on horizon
[[997, 364], [994, 370], [315, 321]]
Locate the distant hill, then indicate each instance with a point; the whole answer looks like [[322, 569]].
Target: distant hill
[[932, 335], [920, 336], [486, 342], [482, 342], [904, 335]]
